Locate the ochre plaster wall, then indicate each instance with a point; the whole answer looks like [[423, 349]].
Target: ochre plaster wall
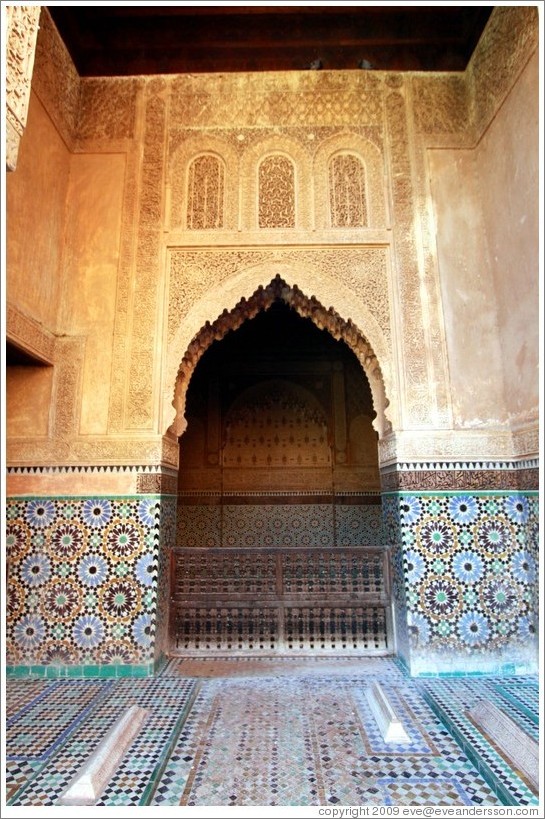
[[28, 400], [94, 210], [36, 198], [469, 302], [486, 206], [507, 167]]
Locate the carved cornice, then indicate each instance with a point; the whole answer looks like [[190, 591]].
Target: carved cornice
[[29, 335], [508, 41], [276, 99], [55, 80], [479, 448], [92, 452]]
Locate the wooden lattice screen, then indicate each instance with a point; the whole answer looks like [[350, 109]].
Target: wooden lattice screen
[[307, 601]]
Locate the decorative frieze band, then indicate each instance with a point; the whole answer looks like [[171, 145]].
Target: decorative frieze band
[[438, 446], [259, 498], [92, 470], [436, 466], [440, 476], [159, 483]]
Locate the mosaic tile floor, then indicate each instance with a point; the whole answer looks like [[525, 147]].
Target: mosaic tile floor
[[267, 732]]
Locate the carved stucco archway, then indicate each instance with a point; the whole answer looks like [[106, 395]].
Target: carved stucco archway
[[307, 307]]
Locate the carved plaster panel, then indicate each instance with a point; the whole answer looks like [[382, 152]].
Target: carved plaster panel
[[55, 79], [22, 30], [107, 109], [363, 270], [92, 451], [140, 386], [373, 161], [419, 400], [441, 103], [458, 445], [277, 99], [287, 150], [157, 484], [243, 150], [69, 359], [182, 153], [509, 39]]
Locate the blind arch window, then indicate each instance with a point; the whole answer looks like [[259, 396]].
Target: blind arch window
[[205, 193], [276, 179], [347, 191]]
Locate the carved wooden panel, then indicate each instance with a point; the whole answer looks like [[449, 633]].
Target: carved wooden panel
[[275, 428]]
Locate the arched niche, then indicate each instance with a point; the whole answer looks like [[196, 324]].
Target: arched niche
[[252, 158], [307, 307], [179, 165], [373, 162]]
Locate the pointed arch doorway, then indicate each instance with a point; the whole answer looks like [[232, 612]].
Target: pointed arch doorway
[[279, 545]]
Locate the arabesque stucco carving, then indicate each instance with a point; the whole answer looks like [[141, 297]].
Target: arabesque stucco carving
[[22, 30], [383, 277]]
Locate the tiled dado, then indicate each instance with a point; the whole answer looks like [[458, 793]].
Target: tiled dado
[[267, 520], [86, 583], [465, 580]]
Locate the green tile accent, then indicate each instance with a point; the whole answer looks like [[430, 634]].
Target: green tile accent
[[159, 495], [160, 767], [518, 704], [488, 775], [79, 671], [160, 663], [482, 493]]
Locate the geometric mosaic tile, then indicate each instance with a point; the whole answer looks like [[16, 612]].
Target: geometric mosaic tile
[[465, 578], [244, 732]]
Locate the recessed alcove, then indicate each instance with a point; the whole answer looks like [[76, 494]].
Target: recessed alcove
[[279, 545]]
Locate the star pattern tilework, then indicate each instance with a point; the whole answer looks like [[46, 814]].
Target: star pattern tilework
[[82, 580], [465, 571]]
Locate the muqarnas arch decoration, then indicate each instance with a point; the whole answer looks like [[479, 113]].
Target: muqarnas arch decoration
[[306, 307]]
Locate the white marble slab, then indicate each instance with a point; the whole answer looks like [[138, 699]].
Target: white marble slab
[[93, 776], [520, 749], [389, 724]]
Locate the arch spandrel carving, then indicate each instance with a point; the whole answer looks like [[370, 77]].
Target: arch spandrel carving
[[240, 310]]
